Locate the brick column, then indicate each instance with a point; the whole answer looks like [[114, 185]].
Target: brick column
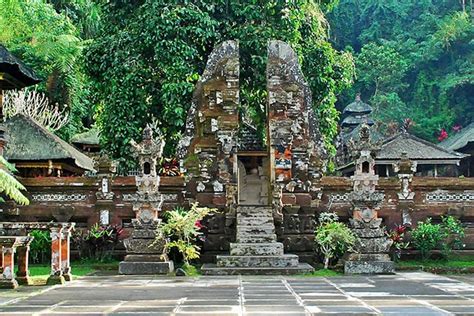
[[8, 265], [56, 276], [23, 273], [65, 253]]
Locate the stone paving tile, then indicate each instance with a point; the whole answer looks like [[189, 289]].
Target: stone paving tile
[[411, 294]]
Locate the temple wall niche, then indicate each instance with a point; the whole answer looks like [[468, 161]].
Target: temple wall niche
[[206, 150], [296, 148]]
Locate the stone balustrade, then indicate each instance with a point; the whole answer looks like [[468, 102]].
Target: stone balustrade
[[60, 250]]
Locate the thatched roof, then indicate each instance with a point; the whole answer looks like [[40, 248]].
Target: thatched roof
[[416, 149], [29, 141], [14, 73]]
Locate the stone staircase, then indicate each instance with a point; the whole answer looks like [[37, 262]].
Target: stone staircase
[[256, 250]]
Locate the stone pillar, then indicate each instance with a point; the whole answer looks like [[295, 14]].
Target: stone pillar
[[296, 148], [373, 245], [8, 265], [23, 273], [56, 276], [65, 253]]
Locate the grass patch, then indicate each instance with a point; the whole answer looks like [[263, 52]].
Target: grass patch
[[39, 273], [191, 270], [455, 262], [322, 273]]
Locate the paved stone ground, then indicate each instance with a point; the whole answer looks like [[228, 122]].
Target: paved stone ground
[[401, 294]]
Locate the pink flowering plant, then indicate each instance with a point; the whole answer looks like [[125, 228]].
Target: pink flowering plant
[[397, 235], [183, 230]]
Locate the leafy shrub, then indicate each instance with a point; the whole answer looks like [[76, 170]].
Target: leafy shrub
[[333, 238], [453, 235], [182, 229], [99, 242], [426, 236], [397, 235], [40, 247]]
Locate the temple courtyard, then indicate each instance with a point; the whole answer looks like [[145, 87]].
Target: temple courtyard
[[411, 293]]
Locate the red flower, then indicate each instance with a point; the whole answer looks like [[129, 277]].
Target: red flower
[[442, 135], [198, 224], [400, 229]]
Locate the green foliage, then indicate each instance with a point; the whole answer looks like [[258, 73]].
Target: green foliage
[[50, 43], [453, 235], [426, 237], [98, 243], [333, 238], [40, 247], [418, 66], [182, 228], [145, 64], [9, 185]]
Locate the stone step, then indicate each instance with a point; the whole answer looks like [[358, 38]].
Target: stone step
[[258, 261], [266, 238], [256, 249], [254, 215], [212, 269], [255, 230], [254, 221]]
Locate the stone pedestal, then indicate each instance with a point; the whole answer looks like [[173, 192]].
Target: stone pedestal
[[145, 253], [372, 258]]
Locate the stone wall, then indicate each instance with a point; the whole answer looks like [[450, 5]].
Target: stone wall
[[76, 199]]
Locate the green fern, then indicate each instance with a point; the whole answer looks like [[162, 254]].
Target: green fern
[[9, 185]]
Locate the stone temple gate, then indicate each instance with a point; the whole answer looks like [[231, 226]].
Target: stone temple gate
[[223, 163]]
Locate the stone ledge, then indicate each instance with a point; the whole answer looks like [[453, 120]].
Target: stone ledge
[[138, 268], [212, 269], [369, 267]]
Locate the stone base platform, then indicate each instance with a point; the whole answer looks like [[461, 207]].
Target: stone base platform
[[213, 269], [137, 268], [369, 267]]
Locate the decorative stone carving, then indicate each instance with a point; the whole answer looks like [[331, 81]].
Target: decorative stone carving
[[145, 247], [58, 197], [296, 146], [441, 196], [207, 147], [373, 245], [406, 198]]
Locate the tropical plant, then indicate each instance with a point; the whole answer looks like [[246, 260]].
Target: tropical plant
[[40, 247], [397, 235], [99, 242], [9, 185], [426, 237], [453, 235], [35, 105], [183, 229], [333, 238]]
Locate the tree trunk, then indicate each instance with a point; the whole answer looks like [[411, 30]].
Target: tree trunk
[[326, 262]]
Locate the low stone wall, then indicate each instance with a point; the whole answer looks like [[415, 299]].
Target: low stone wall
[[75, 199]]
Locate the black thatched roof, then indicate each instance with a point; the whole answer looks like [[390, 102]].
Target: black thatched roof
[[358, 107], [19, 75], [416, 149], [29, 141], [353, 121]]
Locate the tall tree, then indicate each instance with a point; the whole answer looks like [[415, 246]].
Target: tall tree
[[150, 54]]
